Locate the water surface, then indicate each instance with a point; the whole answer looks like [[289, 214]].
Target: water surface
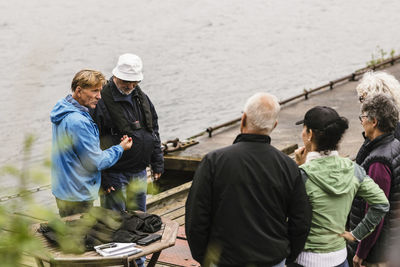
[[202, 59]]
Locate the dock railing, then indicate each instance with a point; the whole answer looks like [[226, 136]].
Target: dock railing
[[351, 77]]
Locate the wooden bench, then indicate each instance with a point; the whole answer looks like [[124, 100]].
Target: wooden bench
[[54, 257]]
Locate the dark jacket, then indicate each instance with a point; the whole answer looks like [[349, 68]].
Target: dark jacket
[[363, 152], [384, 149], [397, 131], [99, 226], [146, 148], [248, 203]]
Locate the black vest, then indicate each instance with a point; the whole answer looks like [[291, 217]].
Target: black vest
[[384, 149], [115, 119], [116, 111]]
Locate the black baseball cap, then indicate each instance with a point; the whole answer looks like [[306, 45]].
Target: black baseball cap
[[319, 117]]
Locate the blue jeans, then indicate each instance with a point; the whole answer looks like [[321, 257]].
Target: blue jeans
[[281, 264], [344, 264], [131, 196]]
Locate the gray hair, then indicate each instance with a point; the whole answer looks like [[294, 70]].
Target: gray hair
[[379, 82], [384, 110], [262, 112]]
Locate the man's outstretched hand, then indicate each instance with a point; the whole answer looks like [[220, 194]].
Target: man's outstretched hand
[[126, 142]]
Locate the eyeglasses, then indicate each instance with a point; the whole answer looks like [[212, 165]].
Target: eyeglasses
[[362, 97], [362, 116]]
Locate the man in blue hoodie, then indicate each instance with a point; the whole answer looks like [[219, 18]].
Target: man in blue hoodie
[[76, 155]]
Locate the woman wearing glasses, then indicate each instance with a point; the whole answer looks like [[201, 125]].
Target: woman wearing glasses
[[332, 182], [380, 158]]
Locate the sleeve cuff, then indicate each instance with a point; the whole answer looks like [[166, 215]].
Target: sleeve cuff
[[157, 169], [358, 240]]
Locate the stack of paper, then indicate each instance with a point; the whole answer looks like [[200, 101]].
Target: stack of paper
[[117, 249]]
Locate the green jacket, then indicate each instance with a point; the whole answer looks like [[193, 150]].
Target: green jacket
[[332, 182]]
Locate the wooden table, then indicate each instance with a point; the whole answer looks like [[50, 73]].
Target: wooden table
[[55, 257]]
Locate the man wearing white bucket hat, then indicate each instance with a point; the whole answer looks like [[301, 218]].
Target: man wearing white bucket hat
[[125, 108], [129, 68]]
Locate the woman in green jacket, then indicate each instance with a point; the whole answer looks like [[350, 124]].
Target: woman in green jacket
[[332, 182]]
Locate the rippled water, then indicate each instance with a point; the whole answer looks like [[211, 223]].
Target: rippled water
[[202, 59]]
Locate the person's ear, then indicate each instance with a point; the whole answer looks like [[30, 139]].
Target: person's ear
[[243, 122], [310, 135], [78, 90], [374, 122], [275, 124]]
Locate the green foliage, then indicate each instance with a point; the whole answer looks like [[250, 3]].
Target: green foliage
[[379, 55], [70, 237], [213, 254], [9, 169], [136, 187], [17, 238], [153, 189]]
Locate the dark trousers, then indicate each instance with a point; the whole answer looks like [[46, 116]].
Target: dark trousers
[[68, 208]]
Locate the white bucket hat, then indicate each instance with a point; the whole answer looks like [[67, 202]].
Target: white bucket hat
[[129, 68]]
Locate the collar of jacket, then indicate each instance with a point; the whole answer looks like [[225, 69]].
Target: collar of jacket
[[382, 139], [118, 96], [76, 104], [111, 95], [258, 138]]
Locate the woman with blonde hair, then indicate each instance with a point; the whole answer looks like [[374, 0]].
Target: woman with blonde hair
[[379, 82]]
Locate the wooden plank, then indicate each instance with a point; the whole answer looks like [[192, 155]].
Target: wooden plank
[[164, 198], [175, 214], [29, 217], [172, 162], [27, 260], [166, 264], [180, 220], [171, 206]]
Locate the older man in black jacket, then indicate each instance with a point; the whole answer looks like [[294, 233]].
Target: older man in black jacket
[[248, 205], [124, 109]]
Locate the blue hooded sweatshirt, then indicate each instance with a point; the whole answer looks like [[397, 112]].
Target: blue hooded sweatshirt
[[76, 155]]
